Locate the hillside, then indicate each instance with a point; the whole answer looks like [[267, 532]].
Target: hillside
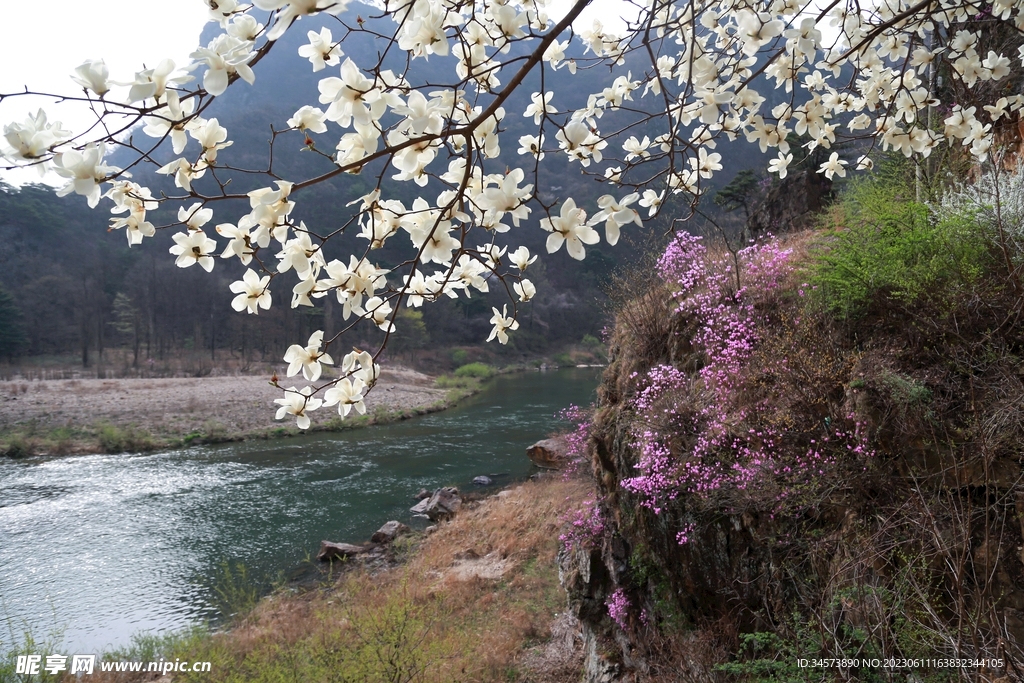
[[811, 448]]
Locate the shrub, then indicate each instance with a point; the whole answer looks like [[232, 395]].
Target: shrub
[[887, 245], [117, 440], [563, 360], [477, 370]]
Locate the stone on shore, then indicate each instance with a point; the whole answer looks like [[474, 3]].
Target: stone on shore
[[339, 551], [549, 453], [443, 504], [389, 532]]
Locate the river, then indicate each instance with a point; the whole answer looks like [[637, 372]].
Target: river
[[99, 547]]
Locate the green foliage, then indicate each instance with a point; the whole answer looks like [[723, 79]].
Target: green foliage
[[477, 370], [906, 391], [410, 331], [147, 647], [764, 656], [885, 246], [113, 439], [460, 357], [563, 360], [740, 193], [236, 594], [17, 447]]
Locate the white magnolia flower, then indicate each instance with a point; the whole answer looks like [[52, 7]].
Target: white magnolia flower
[[308, 118], [570, 226], [195, 216], [502, 323], [84, 170], [347, 394], [239, 241], [834, 166], [152, 83], [525, 290], [308, 359], [539, 106], [212, 136], [193, 247], [297, 402], [33, 138], [652, 201], [521, 258], [224, 56], [290, 10], [379, 311], [321, 49], [532, 144], [616, 214], [780, 164], [253, 292], [92, 75], [174, 118], [367, 371]]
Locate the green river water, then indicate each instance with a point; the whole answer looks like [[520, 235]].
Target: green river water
[[104, 546]]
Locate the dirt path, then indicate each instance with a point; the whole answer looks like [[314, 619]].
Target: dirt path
[[170, 409]]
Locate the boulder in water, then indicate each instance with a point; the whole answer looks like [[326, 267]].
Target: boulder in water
[[483, 480]]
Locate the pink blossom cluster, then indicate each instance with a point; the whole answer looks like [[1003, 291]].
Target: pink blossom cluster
[[710, 449], [618, 608], [576, 440], [583, 527], [716, 293], [685, 534]]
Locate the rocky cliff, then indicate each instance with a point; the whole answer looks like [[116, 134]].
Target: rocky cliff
[[780, 481]]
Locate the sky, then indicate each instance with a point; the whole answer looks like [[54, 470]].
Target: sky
[[127, 34], [44, 49]]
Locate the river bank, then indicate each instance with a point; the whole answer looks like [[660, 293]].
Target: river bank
[[477, 600], [62, 417]]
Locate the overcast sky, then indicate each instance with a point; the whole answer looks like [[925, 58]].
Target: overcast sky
[[41, 50]]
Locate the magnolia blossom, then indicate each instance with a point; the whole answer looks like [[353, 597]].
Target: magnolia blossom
[[253, 292], [193, 247], [834, 166], [33, 138], [297, 402], [525, 290], [521, 258], [502, 323], [347, 394], [839, 72], [570, 227], [321, 50], [84, 170], [615, 214], [308, 359]]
